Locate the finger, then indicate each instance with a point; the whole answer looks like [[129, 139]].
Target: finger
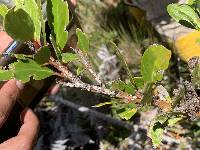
[[5, 40], [29, 121], [9, 93], [74, 2], [27, 135]]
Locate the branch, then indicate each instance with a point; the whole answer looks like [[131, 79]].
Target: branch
[[101, 90], [85, 61], [75, 82], [64, 71]]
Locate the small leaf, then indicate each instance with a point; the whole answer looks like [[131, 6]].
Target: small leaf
[[154, 61], [158, 126], [126, 111], [69, 57], [174, 120], [103, 104], [6, 75], [83, 42], [80, 70], [43, 55], [3, 10], [58, 18], [22, 56], [139, 82], [155, 132], [128, 114], [25, 69], [184, 14], [156, 129], [19, 25], [122, 86]]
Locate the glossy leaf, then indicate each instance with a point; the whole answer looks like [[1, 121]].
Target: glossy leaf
[[154, 61], [172, 121], [58, 17], [24, 69], [43, 55], [128, 114], [19, 25], [31, 7], [69, 57], [3, 10], [6, 75], [127, 111], [83, 42], [184, 14]]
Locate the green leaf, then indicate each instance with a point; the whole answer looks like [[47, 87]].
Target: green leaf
[[6, 75], [69, 57], [158, 126], [43, 55], [19, 25], [83, 42], [19, 3], [80, 70], [103, 104], [56, 48], [139, 82], [24, 69], [123, 61], [126, 111], [154, 61], [22, 56], [58, 18], [155, 132], [31, 7], [128, 114], [184, 14], [172, 121], [156, 129], [3, 10], [122, 86]]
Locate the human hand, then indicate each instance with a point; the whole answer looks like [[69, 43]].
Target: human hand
[[9, 93]]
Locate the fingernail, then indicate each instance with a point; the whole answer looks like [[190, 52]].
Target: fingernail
[[19, 84]]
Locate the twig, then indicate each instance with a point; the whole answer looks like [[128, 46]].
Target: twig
[[91, 112], [85, 61], [100, 90], [125, 65], [64, 71], [77, 83], [56, 48]]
